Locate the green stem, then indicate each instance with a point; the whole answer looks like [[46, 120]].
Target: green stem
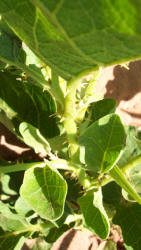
[[19, 167], [56, 90], [70, 115], [122, 181], [131, 164], [124, 168]]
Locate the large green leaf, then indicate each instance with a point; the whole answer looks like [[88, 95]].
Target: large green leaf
[[12, 53], [94, 215], [102, 142], [28, 103], [128, 218], [73, 36], [44, 190]]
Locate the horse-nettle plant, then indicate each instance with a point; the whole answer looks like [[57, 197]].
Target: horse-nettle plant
[[51, 53]]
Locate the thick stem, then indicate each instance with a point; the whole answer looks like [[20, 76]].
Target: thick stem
[[69, 117]]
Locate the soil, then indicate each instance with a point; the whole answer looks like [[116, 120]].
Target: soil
[[115, 82]]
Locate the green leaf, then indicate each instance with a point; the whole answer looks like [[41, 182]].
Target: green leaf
[[132, 148], [34, 139], [121, 180], [44, 190], [11, 241], [111, 194], [101, 108], [55, 233], [97, 110], [21, 207], [28, 103], [10, 221], [74, 36], [134, 177], [94, 215], [101, 143], [12, 53], [128, 218]]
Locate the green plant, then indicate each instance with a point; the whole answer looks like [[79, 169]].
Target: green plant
[[50, 55]]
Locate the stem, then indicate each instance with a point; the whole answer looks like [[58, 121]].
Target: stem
[[131, 164], [124, 168], [69, 116], [56, 90], [19, 167]]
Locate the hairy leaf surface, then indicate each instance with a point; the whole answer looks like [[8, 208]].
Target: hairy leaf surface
[[74, 36]]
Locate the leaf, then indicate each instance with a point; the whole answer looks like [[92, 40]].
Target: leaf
[[101, 108], [111, 194], [10, 241], [28, 103], [128, 218], [21, 207], [134, 177], [34, 139], [121, 180], [44, 190], [94, 215], [101, 143], [97, 110], [10, 221], [74, 36], [55, 233], [132, 148], [12, 53]]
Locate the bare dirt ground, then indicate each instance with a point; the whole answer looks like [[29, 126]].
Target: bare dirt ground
[[115, 82]]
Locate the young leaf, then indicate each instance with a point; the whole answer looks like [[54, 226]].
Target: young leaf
[[34, 139], [97, 110], [101, 108], [128, 218], [44, 190], [28, 103], [102, 142], [94, 215], [73, 41]]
